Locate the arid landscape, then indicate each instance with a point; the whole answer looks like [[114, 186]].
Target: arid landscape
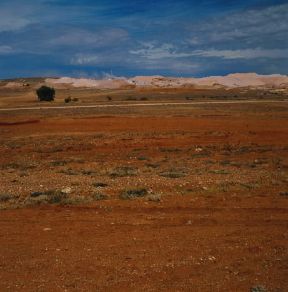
[[144, 187]]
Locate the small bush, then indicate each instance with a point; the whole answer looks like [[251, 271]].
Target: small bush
[[133, 193], [170, 150], [45, 93], [141, 158], [99, 185], [153, 165], [219, 171], [99, 196], [69, 171], [174, 173], [123, 171], [68, 99], [258, 289], [59, 162], [48, 197], [5, 198], [77, 200]]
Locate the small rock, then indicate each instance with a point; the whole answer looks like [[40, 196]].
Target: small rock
[[47, 229], [66, 190]]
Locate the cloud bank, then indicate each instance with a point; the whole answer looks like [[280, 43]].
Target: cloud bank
[[180, 38]]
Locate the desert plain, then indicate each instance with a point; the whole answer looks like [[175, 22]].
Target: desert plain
[[151, 188]]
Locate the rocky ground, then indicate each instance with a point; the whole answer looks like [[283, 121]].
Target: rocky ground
[[173, 198]]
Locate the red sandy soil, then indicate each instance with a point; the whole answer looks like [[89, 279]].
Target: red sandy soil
[[210, 231]]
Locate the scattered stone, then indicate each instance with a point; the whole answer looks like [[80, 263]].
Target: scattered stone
[[47, 229], [66, 190]]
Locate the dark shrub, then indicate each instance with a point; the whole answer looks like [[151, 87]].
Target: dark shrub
[[68, 99], [45, 93], [133, 193]]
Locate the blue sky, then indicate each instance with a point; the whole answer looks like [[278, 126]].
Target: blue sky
[[173, 38]]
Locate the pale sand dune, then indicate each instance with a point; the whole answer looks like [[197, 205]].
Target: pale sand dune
[[230, 81], [89, 83]]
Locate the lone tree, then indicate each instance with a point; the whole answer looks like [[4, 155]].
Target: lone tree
[[45, 93]]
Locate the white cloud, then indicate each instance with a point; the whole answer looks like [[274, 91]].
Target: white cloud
[[83, 59], [153, 52], [253, 25], [5, 50], [92, 38], [11, 22], [243, 54], [16, 15]]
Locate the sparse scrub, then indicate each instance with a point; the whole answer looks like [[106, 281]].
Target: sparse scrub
[[249, 186], [201, 154], [99, 196], [123, 171], [100, 185], [47, 197], [5, 198], [174, 173], [153, 165], [18, 166], [259, 288], [88, 172], [68, 99], [76, 200], [219, 171], [141, 158], [130, 98], [55, 196], [59, 162], [170, 150], [69, 171], [133, 193]]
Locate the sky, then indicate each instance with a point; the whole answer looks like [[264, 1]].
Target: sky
[[99, 38]]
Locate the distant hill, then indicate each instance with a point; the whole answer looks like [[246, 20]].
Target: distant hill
[[236, 80]]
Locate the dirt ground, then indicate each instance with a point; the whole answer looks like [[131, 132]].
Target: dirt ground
[[165, 198]]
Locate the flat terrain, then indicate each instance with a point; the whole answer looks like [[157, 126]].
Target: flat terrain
[[187, 197]]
